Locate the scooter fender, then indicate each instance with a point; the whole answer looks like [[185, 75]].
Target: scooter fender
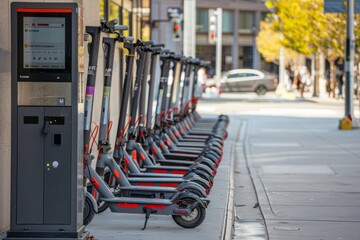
[[201, 167], [207, 162], [199, 173], [182, 195], [92, 200], [190, 185]]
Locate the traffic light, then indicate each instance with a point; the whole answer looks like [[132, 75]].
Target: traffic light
[[177, 29], [212, 26]]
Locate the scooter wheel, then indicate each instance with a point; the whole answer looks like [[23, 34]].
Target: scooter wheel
[[89, 211], [102, 206], [194, 219]]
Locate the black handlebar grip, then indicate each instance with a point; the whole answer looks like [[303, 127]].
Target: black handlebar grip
[[147, 43], [165, 50], [155, 49], [121, 27], [111, 23], [160, 45]]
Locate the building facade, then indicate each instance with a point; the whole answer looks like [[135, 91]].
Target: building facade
[[240, 26]]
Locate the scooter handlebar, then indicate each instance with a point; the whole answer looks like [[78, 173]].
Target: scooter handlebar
[[128, 38], [147, 43], [121, 27], [111, 23]]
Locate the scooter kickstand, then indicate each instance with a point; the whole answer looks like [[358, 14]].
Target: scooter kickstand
[[147, 216]]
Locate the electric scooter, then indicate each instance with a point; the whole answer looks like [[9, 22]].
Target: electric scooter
[[180, 205]]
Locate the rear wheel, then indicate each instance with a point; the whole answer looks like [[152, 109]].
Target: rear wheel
[[260, 90], [194, 219], [89, 211]]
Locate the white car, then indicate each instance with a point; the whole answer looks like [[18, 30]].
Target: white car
[[246, 80]]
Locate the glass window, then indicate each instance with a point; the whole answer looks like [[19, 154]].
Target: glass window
[[235, 75], [246, 21], [251, 75], [227, 22], [202, 20]]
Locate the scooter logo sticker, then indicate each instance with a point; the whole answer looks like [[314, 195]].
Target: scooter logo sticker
[[91, 70], [108, 72]]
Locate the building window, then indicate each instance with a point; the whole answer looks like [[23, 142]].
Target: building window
[[245, 57], [227, 21], [246, 21], [202, 20]]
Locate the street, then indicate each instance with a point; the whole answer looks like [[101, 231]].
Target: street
[[296, 174]]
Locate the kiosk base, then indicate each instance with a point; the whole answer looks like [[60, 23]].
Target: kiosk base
[[46, 236]]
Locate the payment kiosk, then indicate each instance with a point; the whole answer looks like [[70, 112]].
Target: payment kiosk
[[46, 133]]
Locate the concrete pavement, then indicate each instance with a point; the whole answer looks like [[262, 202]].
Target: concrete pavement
[[306, 178]]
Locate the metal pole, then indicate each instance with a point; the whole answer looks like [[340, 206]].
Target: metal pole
[[218, 46], [189, 30], [349, 59]]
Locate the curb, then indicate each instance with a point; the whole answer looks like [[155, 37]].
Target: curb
[[229, 213]]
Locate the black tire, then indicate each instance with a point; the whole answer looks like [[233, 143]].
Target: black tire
[[261, 90], [102, 206], [89, 211], [194, 219]]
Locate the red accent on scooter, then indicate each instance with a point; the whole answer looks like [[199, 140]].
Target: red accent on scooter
[[160, 171], [142, 155], [183, 172], [116, 173], [168, 184], [155, 206], [95, 182], [144, 184], [154, 150], [128, 205], [180, 211]]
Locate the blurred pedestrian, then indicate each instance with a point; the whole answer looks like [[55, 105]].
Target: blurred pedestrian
[[328, 82], [340, 82], [289, 78], [305, 79]]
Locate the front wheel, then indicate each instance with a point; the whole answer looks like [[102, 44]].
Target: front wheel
[[194, 219], [260, 90], [89, 211]]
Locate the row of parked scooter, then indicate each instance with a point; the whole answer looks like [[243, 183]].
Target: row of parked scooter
[[165, 157]]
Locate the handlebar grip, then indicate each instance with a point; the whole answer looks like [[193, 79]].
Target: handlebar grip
[[161, 45], [112, 23], [147, 43], [121, 27], [129, 38], [155, 49]]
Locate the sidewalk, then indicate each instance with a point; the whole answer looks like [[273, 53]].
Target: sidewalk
[[306, 174], [109, 225]]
